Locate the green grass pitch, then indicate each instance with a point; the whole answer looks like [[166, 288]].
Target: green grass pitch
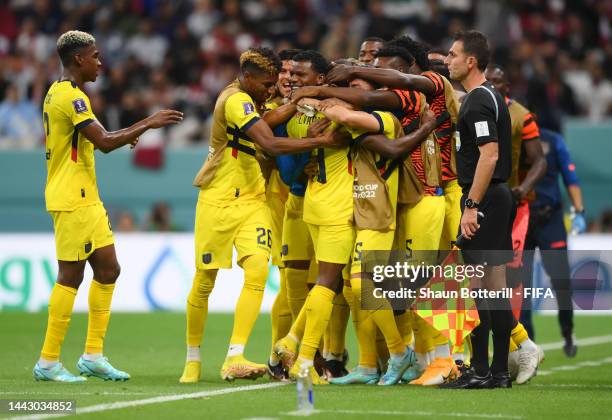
[[150, 347]]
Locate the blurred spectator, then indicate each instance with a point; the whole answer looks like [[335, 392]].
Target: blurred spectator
[[125, 222], [606, 221], [148, 47], [160, 219], [20, 121], [183, 52], [203, 18]]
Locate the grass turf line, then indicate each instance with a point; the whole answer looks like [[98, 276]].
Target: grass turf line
[[151, 348]]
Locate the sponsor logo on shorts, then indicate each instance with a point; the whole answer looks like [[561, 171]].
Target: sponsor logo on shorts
[[88, 247], [285, 249], [207, 258]]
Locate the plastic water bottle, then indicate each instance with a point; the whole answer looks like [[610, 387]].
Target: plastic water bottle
[[307, 110], [305, 402]]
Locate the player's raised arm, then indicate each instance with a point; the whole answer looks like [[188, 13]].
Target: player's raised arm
[[344, 116], [276, 117], [393, 79], [261, 134], [108, 141], [402, 145], [380, 99]]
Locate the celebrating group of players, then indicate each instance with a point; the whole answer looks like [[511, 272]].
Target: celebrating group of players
[[364, 160], [311, 163]]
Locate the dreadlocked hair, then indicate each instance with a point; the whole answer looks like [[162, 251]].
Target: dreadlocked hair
[[260, 58], [418, 50]]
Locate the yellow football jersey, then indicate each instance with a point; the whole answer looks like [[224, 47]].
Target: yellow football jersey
[[297, 126], [386, 167], [71, 172], [329, 196], [231, 174]]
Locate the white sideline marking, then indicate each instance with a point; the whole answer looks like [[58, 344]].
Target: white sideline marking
[[155, 400], [406, 413], [590, 341], [161, 398], [605, 386], [81, 393], [575, 366]]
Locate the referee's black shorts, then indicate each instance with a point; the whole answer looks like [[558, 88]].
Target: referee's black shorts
[[492, 243]]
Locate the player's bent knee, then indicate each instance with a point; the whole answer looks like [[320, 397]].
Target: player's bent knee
[[255, 272], [204, 282], [108, 275]]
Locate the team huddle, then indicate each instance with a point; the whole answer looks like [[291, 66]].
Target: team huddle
[[310, 165]]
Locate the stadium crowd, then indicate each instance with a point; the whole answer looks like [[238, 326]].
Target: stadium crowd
[[181, 54]]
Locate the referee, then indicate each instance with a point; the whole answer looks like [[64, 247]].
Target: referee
[[483, 144]]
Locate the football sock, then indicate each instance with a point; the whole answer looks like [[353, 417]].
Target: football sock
[[383, 318], [337, 327], [519, 334], [366, 338], [299, 324], [197, 305], [280, 316], [480, 339], [402, 320], [423, 335], [249, 303], [100, 297], [501, 325], [442, 351], [381, 347], [61, 302], [235, 350], [297, 289], [92, 357], [318, 311], [193, 353]]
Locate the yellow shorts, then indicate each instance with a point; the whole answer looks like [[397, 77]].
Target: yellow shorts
[[218, 229], [370, 240], [452, 214], [420, 225], [277, 213], [80, 232], [297, 245], [332, 243]]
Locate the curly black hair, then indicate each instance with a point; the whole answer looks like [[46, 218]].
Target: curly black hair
[[418, 50], [395, 51], [319, 63], [288, 53]]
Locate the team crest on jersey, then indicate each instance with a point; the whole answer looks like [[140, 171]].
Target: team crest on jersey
[[248, 108], [79, 105]]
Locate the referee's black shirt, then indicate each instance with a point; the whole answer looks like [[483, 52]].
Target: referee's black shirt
[[480, 121]]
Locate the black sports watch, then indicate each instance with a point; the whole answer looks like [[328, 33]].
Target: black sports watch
[[471, 204]]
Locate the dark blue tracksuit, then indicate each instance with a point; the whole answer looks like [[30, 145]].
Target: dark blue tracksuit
[[547, 231]]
